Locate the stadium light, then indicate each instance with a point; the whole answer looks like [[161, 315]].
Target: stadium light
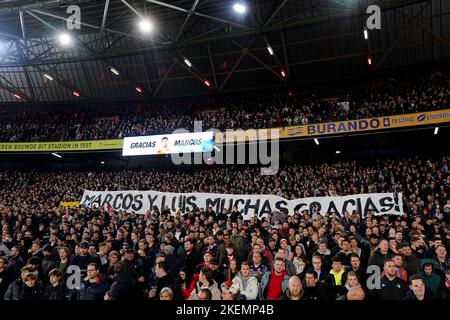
[[139, 89], [18, 96], [114, 70], [240, 7], [48, 77], [269, 48], [76, 93], [146, 26], [64, 39], [436, 130], [102, 162], [56, 155], [187, 62], [366, 34], [316, 141], [337, 151], [207, 83]]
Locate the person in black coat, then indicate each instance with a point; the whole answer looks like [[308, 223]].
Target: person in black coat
[[190, 258], [30, 291], [57, 289], [417, 290], [83, 258], [164, 279], [444, 289], [134, 265], [15, 263], [313, 289], [125, 287], [5, 280], [392, 287]]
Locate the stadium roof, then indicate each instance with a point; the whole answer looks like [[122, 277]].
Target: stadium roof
[[312, 40]]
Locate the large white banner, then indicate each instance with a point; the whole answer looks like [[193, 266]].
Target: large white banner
[[168, 143], [260, 205]]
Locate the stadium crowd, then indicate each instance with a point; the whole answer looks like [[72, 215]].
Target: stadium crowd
[[203, 255], [253, 110]]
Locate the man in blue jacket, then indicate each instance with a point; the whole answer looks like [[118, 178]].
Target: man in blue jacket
[[93, 287]]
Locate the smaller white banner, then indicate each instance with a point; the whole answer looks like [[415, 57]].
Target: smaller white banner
[[168, 143]]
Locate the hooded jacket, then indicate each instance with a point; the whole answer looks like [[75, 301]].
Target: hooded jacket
[[250, 290], [55, 293], [213, 287], [432, 281]]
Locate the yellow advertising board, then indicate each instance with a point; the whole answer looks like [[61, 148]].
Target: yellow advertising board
[[115, 144], [71, 204], [338, 127]]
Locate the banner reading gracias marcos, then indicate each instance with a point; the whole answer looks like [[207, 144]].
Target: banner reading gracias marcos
[[260, 205]]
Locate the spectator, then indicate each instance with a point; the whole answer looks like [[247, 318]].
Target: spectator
[[441, 261], [345, 253], [429, 277], [230, 291], [258, 269], [417, 289], [391, 286], [288, 265], [187, 284], [205, 294], [205, 281], [48, 262], [294, 290], [94, 287], [5, 281], [15, 263], [274, 282], [444, 289], [299, 259], [218, 275], [380, 254], [231, 271], [64, 259], [166, 294], [336, 279], [318, 267], [57, 289], [401, 272], [355, 266], [30, 291], [352, 289], [164, 279], [411, 262], [82, 259], [248, 285], [16, 287], [313, 289]]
